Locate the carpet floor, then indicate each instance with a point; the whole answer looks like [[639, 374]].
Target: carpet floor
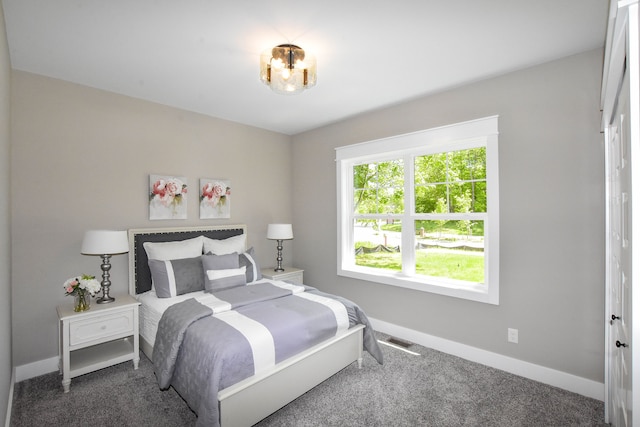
[[428, 388]]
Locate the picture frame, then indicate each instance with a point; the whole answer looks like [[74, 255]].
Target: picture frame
[[167, 197], [215, 198]]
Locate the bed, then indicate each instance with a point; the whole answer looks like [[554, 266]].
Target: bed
[[171, 328]]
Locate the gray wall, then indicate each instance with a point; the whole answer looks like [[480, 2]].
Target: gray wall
[[5, 222], [81, 160], [551, 210]]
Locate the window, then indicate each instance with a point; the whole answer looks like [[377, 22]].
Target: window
[[421, 210]]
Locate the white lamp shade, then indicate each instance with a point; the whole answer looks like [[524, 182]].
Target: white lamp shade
[[279, 232], [103, 242]]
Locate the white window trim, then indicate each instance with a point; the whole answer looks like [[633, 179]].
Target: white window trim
[[457, 136]]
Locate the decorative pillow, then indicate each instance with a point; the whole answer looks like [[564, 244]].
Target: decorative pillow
[[218, 280], [226, 246], [188, 248], [219, 262], [177, 276], [248, 259]]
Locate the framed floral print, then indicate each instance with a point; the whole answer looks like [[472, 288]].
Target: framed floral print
[[167, 197], [215, 198]]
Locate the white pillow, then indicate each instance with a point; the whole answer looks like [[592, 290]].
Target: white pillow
[[164, 251], [226, 246]]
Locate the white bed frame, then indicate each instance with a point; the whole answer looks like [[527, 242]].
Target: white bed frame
[[256, 397]]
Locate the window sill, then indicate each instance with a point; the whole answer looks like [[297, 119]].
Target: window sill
[[478, 293]]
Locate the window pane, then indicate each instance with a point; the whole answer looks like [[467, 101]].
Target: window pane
[[469, 164], [361, 175], [378, 187], [468, 197], [377, 244], [390, 174], [432, 168], [365, 201], [451, 182], [450, 249], [391, 200]]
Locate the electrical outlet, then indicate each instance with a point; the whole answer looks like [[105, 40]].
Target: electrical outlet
[[512, 335]]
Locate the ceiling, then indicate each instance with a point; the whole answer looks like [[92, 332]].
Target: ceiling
[[203, 55]]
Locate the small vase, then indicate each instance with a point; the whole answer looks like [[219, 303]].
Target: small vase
[[82, 302]]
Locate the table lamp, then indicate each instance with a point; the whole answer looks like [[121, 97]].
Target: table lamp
[[279, 232], [105, 243]]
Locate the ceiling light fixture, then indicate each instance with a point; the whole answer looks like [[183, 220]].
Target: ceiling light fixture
[[287, 70]]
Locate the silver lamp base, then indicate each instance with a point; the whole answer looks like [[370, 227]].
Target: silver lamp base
[[106, 283], [279, 258]]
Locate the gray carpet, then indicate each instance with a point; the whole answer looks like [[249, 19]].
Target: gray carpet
[[432, 389]]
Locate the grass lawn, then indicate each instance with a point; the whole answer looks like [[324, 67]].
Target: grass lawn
[[440, 263]]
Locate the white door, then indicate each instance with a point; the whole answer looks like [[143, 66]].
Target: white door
[[619, 261], [621, 123]]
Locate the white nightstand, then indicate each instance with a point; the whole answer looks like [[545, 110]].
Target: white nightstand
[[290, 273], [102, 336]]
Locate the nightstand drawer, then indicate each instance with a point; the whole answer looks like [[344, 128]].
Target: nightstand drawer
[[100, 327]]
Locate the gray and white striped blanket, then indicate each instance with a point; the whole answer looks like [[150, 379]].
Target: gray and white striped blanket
[[205, 346]]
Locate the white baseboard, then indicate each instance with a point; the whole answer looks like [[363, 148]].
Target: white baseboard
[[572, 383], [563, 380], [35, 369], [7, 421]]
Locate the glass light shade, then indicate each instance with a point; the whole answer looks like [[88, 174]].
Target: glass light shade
[[104, 242], [288, 70], [279, 232]]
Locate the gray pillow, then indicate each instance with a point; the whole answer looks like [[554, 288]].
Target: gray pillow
[[248, 259], [177, 276], [218, 280], [218, 262]]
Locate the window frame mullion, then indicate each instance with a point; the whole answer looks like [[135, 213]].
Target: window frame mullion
[[407, 250]]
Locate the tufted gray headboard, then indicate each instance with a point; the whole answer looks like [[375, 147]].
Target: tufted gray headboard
[[139, 273]]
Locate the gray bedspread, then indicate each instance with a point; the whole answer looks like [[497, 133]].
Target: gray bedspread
[[200, 353], [174, 323]]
